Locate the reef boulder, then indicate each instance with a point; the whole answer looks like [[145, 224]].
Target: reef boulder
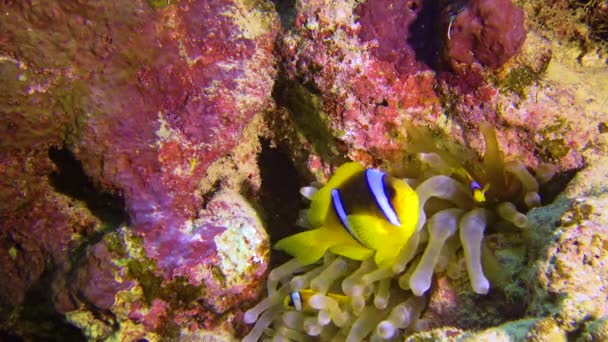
[[157, 106], [486, 31], [573, 232]]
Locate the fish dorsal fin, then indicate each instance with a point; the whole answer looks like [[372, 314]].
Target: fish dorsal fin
[[343, 173], [321, 201], [370, 230]]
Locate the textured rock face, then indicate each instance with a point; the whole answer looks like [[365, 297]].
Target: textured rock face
[[573, 230], [375, 74], [149, 101], [159, 131], [389, 25], [129, 143], [487, 31], [37, 224]]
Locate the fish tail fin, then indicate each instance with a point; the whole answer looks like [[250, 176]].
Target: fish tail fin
[[308, 247]]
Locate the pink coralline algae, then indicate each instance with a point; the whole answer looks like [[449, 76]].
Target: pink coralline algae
[[388, 24], [487, 31], [130, 137], [94, 281], [37, 224], [366, 82], [144, 100], [384, 66], [164, 126]]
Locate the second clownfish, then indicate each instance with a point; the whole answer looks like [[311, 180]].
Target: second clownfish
[[298, 300], [359, 213], [478, 193]]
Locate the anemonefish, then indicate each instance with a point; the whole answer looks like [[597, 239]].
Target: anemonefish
[[358, 213], [298, 300], [477, 191]]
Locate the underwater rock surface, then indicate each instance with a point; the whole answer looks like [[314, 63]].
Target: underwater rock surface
[[147, 100], [132, 204], [487, 31], [367, 81], [573, 231]]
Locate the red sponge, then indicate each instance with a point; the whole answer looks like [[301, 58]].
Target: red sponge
[[487, 31]]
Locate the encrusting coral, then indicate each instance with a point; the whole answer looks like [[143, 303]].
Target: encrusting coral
[[340, 299]]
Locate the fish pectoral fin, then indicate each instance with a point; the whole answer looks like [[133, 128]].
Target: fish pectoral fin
[[355, 252], [386, 256], [369, 230], [308, 247]]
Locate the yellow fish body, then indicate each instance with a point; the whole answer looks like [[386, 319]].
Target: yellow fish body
[[358, 213]]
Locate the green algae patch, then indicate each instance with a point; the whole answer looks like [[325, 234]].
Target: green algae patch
[[596, 330], [520, 78], [306, 114], [510, 331], [552, 145], [530, 329], [178, 293], [115, 244], [92, 327], [158, 4], [556, 148], [143, 270]]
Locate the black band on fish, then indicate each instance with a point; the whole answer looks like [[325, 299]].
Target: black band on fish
[[339, 209], [375, 181]]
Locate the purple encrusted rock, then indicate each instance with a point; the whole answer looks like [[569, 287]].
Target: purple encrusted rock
[[486, 31]]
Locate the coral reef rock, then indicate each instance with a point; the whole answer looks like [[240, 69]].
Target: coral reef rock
[[573, 231], [137, 113], [487, 31]]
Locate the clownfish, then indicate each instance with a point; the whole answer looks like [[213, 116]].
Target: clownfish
[[477, 191], [298, 300], [358, 213]]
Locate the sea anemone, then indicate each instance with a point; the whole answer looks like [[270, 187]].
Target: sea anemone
[[354, 300]]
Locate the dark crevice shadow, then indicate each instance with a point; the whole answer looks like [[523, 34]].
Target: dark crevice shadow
[[38, 319], [287, 13], [279, 196], [426, 34], [71, 180], [550, 190]]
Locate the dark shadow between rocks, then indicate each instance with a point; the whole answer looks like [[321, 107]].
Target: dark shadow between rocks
[[279, 196], [71, 180], [425, 34], [38, 319], [287, 13]]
